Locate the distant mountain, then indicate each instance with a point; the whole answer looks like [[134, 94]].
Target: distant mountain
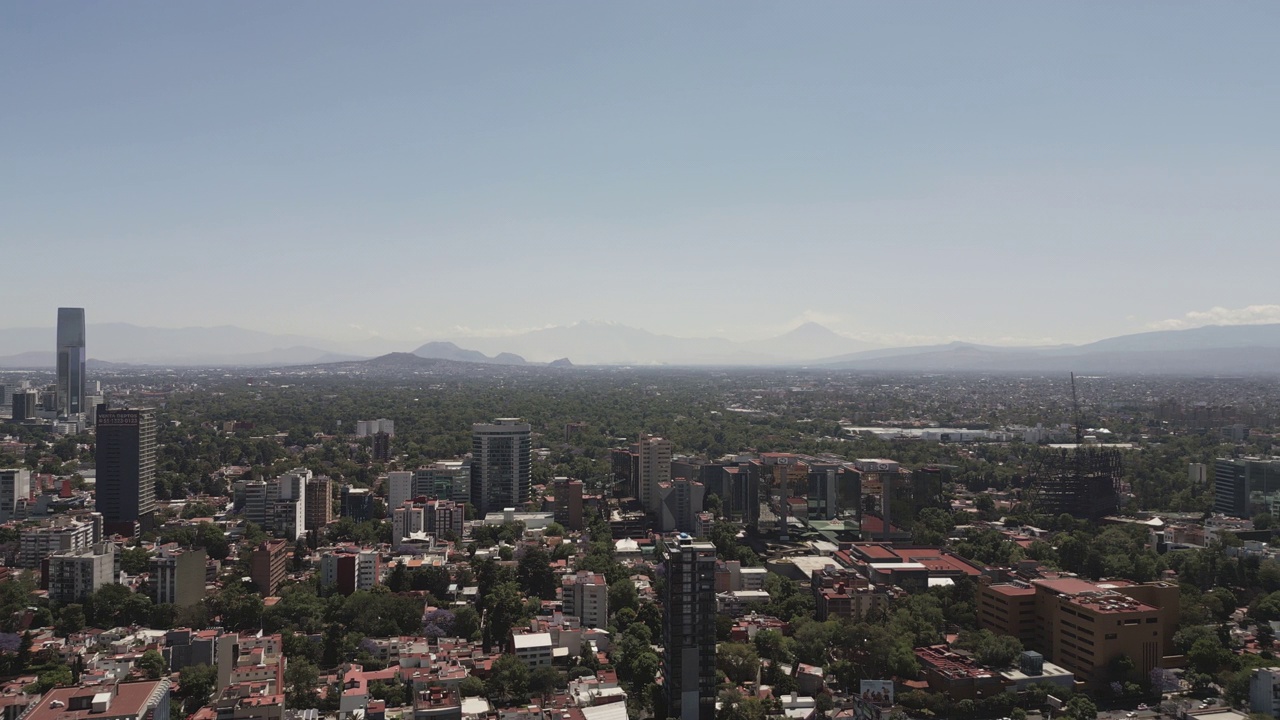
[[1216, 350], [28, 360], [597, 343], [450, 351]]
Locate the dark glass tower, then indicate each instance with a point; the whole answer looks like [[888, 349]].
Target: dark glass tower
[[689, 629], [71, 359], [125, 493], [500, 464]]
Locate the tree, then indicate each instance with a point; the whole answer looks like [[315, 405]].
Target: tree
[[622, 594], [134, 560], [152, 663], [738, 661], [471, 686], [70, 620], [554, 529], [508, 681], [301, 679], [544, 680], [534, 574], [1080, 707], [196, 683], [49, 679], [506, 608], [466, 623]]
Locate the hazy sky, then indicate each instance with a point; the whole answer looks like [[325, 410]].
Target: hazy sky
[[1008, 172]]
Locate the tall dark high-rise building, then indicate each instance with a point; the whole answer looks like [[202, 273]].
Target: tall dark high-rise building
[[381, 447], [71, 361], [689, 629], [125, 491], [500, 464], [1246, 487]]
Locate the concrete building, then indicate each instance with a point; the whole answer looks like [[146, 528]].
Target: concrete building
[[74, 575], [500, 464], [268, 565], [177, 575], [369, 428], [15, 486], [400, 488], [1083, 625], [36, 544], [125, 488], [586, 597], [654, 468], [535, 649], [71, 362], [445, 517], [319, 503], [689, 629], [679, 502], [1264, 691], [348, 570], [567, 507], [844, 593], [407, 520]]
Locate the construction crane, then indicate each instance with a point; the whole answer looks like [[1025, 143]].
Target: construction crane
[[1075, 405]]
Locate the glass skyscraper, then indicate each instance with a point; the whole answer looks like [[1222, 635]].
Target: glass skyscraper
[[71, 361]]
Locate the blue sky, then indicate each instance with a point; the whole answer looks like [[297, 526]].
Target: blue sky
[[902, 172]]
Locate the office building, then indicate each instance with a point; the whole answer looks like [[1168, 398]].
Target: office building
[[1082, 625], [71, 362], [76, 574], [25, 404], [500, 464], [822, 493], [445, 480], [1246, 487], [287, 502], [268, 566], [567, 507], [125, 492], [319, 503], [586, 597], [256, 509], [689, 629], [654, 465], [15, 487], [357, 503], [400, 488], [177, 575]]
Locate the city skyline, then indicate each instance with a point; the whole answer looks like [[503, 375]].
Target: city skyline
[[995, 173]]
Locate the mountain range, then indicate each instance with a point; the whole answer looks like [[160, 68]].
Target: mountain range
[[1234, 349]]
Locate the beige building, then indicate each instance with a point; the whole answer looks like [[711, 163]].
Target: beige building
[[1083, 625]]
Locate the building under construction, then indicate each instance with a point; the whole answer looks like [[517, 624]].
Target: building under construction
[[1083, 481]]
